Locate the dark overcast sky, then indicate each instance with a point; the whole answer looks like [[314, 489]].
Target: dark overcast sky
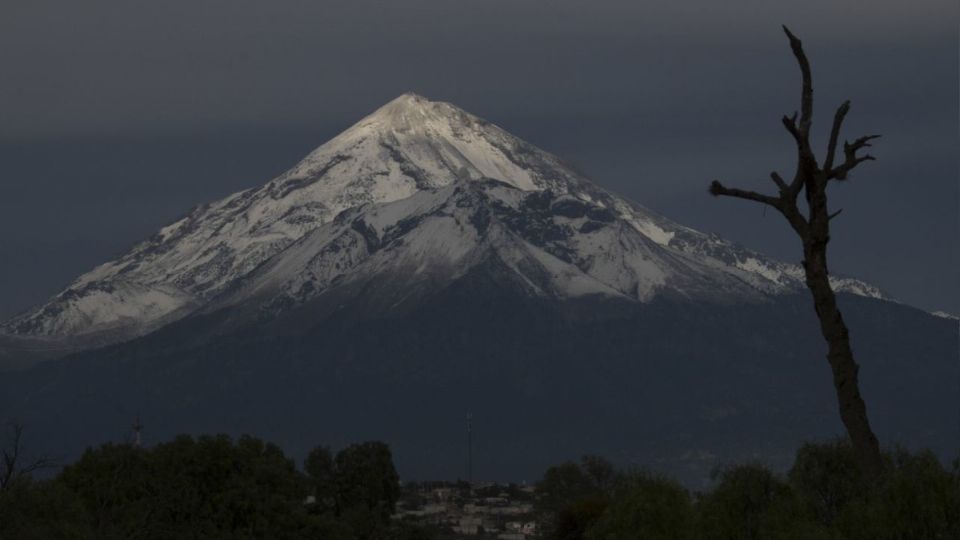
[[118, 116]]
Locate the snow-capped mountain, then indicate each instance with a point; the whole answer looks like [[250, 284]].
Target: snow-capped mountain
[[418, 192], [426, 263]]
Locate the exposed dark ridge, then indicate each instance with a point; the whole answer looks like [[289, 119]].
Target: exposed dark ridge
[[284, 188]]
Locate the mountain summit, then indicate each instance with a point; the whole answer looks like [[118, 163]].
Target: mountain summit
[[540, 218]]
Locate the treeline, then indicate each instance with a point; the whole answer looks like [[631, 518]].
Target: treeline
[[215, 487], [210, 487], [822, 497]]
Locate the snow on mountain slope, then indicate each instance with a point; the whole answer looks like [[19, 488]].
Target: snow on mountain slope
[[553, 244], [409, 151]]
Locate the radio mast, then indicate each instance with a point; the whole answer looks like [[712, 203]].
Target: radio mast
[[470, 449], [137, 426]]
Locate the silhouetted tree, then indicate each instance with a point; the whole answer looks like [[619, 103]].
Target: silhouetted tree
[[321, 473], [645, 506], [204, 487], [16, 465], [826, 475], [211, 487], [569, 482], [367, 488], [573, 520], [811, 178], [43, 510], [750, 502], [573, 496]]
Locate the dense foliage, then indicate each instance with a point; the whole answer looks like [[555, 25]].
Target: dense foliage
[[823, 496], [217, 487], [210, 487]]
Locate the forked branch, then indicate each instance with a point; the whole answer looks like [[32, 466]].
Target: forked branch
[[809, 174], [806, 96], [790, 122], [778, 180], [835, 134], [13, 464], [851, 158]]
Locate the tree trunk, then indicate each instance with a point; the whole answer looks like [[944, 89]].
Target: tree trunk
[[814, 231], [853, 411]]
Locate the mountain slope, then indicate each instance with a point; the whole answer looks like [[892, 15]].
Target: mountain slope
[[554, 245], [680, 387], [407, 147]]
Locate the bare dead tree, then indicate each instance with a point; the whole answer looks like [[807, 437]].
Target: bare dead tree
[[811, 178], [15, 464]]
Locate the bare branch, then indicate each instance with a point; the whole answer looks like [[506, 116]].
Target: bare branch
[[835, 134], [800, 130], [805, 158], [717, 189], [38, 464], [11, 454], [835, 214], [790, 122], [852, 159], [778, 180], [806, 96], [13, 466], [862, 142]]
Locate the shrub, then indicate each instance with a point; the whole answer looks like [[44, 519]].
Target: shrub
[[751, 502], [42, 511], [572, 521], [916, 498], [646, 506], [827, 478]]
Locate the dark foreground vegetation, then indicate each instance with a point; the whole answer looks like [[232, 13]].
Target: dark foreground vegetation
[[823, 496], [217, 487], [210, 487]]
